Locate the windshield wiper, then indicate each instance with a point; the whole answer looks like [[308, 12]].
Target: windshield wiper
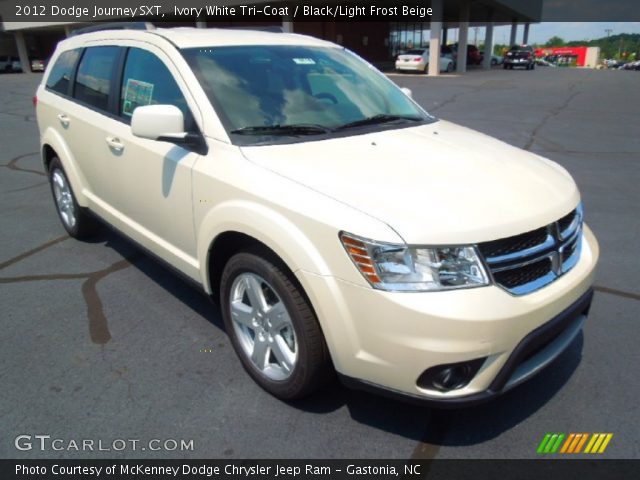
[[378, 119], [294, 129]]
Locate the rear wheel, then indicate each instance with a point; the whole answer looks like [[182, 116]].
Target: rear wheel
[[75, 219], [272, 327], [450, 67], [505, 66]]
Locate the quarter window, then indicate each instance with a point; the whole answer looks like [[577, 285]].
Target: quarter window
[[93, 81], [62, 71], [147, 81]]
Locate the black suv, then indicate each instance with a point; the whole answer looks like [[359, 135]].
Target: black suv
[[520, 56]]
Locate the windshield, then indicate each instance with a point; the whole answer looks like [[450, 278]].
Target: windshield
[[286, 91]]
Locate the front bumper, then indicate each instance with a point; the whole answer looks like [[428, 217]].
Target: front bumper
[[533, 353], [386, 340]]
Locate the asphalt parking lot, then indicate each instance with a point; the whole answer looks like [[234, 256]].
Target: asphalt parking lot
[[98, 341]]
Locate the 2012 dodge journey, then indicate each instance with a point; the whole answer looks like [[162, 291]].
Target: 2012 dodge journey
[[339, 226]]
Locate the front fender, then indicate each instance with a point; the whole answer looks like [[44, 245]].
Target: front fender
[[265, 225]]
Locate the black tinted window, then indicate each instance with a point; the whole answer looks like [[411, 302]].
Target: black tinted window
[[62, 70], [147, 81], [93, 80]]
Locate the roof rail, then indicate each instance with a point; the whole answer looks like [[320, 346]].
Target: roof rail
[[114, 26]]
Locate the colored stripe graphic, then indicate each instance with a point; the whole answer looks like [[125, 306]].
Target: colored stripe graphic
[[543, 443], [550, 443], [568, 442], [590, 444], [556, 443], [555, 447], [606, 442], [574, 444], [581, 443], [598, 443]]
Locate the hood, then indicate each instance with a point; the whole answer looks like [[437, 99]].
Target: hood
[[433, 184]]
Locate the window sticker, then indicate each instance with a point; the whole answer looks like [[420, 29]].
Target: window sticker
[[136, 93], [304, 61]]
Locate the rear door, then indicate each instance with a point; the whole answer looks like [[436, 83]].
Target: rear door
[[79, 109]]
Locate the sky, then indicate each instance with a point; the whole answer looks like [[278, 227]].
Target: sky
[[541, 32]]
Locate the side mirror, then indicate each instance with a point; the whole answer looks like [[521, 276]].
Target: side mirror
[[407, 92], [158, 122]]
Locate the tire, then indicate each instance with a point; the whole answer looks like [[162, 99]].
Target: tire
[[505, 66], [533, 66], [450, 67], [289, 359], [75, 219]]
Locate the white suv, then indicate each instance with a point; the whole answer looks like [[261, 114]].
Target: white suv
[[340, 227]]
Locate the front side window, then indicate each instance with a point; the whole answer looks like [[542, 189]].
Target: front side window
[[310, 90], [93, 81], [62, 71], [147, 81]]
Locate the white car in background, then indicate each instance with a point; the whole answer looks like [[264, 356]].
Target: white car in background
[[417, 60]]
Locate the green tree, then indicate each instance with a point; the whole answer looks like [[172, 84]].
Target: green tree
[[499, 49], [554, 41]]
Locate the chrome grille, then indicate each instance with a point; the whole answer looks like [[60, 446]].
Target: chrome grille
[[527, 262]]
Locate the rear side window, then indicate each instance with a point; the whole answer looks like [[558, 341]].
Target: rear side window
[[62, 71], [93, 80], [147, 81]]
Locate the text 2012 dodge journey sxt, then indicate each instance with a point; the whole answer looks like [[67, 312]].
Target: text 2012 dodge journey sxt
[[340, 227]]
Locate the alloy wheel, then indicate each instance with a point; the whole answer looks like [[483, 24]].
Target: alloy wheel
[[263, 326]]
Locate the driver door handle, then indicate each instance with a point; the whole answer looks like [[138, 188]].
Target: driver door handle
[[64, 120], [115, 143]]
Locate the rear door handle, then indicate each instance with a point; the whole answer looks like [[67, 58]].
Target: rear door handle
[[64, 120], [115, 143]]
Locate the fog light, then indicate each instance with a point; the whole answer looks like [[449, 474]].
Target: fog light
[[451, 376]]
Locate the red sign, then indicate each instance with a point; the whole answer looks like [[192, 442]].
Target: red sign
[[580, 53]]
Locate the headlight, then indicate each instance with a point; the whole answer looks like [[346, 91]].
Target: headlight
[[398, 267]]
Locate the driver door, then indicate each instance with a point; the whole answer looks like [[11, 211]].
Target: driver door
[[154, 177]]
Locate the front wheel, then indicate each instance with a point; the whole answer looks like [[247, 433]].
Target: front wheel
[[272, 327], [450, 67]]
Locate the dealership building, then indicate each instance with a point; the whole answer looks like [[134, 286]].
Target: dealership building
[[376, 40]]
